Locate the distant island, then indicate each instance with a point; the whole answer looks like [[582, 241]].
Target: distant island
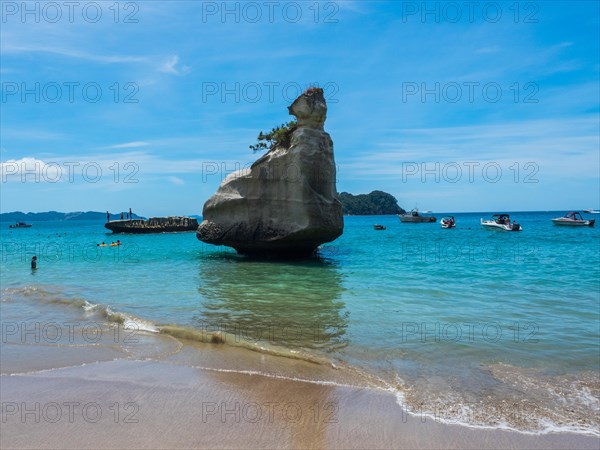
[[19, 216], [375, 203]]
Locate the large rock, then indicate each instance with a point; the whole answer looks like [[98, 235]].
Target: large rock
[[285, 203]]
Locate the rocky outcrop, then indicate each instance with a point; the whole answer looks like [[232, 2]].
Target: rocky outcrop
[[285, 204], [377, 203], [153, 225]]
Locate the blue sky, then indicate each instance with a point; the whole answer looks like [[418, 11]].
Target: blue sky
[[497, 109]]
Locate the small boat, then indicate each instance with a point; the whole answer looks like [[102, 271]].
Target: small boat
[[378, 227], [591, 211], [574, 219], [501, 222], [20, 225], [448, 222], [414, 217]]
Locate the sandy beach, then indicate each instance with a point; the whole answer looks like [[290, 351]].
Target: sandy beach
[[160, 392]]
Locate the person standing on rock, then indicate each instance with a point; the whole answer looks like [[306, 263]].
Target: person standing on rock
[[107, 216], [130, 214]]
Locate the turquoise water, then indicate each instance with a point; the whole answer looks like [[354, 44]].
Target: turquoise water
[[444, 316]]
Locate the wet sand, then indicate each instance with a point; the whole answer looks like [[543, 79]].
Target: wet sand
[[165, 393]]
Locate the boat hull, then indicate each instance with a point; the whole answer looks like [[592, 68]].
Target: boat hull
[[491, 225], [153, 225], [417, 219], [574, 223]]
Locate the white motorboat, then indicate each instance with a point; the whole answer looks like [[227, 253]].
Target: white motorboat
[[415, 217], [448, 222], [591, 211], [573, 219], [501, 222]]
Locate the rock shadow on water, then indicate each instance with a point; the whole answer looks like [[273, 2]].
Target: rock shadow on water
[[294, 305]]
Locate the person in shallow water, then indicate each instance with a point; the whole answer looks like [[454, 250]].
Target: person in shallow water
[[34, 262]]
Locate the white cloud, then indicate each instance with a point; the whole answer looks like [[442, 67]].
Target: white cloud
[[71, 53], [170, 66], [134, 144], [176, 180], [561, 148], [31, 170], [348, 5]]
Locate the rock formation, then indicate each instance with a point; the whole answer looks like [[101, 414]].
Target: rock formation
[[285, 204], [377, 203]]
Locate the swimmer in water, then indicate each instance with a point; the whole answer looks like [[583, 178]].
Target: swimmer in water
[[34, 263]]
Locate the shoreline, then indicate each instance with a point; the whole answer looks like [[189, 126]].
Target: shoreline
[[185, 400], [159, 391]]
